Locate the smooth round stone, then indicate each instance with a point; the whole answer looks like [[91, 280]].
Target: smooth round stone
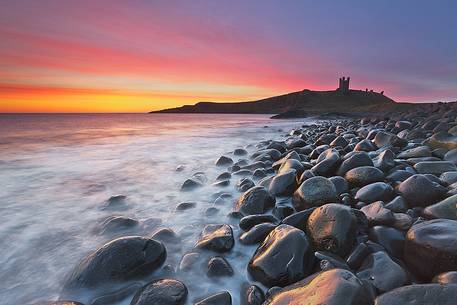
[[188, 261], [298, 219], [251, 295], [221, 298], [446, 278], [282, 211], [442, 140], [399, 176], [247, 222], [340, 183], [419, 191], [257, 233], [217, 238], [446, 208], [397, 205], [435, 168], [385, 160], [116, 202], [327, 163], [361, 176], [357, 256], [449, 177], [392, 240], [378, 191], [291, 164], [332, 227], [115, 224], [431, 247], [382, 272], [219, 266], [161, 292], [426, 294], [256, 200], [284, 183], [185, 206], [165, 235], [284, 257], [331, 287], [377, 214], [120, 260], [224, 161], [240, 152], [417, 152], [315, 191], [355, 160]]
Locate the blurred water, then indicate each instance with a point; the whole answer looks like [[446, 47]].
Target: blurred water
[[56, 171]]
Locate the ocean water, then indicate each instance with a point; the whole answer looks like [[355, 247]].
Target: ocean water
[[57, 171]]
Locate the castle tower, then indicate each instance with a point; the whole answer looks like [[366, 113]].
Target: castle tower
[[344, 84]]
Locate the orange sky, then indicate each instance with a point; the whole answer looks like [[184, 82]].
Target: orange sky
[[109, 56]]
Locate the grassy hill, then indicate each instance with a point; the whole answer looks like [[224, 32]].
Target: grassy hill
[[300, 103]]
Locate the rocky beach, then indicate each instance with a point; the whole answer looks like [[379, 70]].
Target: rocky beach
[[354, 211]]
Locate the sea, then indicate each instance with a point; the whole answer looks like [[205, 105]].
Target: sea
[[57, 172]]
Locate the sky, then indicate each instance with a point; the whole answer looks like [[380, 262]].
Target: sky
[[137, 56]]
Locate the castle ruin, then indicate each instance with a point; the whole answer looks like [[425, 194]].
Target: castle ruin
[[344, 84]]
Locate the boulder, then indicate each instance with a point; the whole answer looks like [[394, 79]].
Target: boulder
[[382, 272], [216, 237], [392, 240], [315, 191], [332, 227], [298, 219], [327, 163], [247, 222], [120, 260], [354, 160], [435, 167], [377, 214], [385, 160], [257, 233], [425, 294], [161, 292], [224, 161], [378, 191], [331, 287], [431, 247], [446, 208], [219, 266], [416, 152], [361, 176], [221, 298], [340, 183], [256, 200], [284, 183], [251, 295], [284, 257], [420, 191], [442, 140]]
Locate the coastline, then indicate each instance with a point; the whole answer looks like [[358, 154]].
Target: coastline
[[335, 201]]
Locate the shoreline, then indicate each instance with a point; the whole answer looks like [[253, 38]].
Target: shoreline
[[359, 201]]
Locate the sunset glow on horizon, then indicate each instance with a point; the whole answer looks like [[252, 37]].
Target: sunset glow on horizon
[[137, 56]]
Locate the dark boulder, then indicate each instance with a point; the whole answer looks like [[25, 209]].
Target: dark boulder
[[217, 238], [341, 185], [420, 191], [221, 298], [361, 176], [425, 294], [257, 233], [382, 272], [315, 191], [377, 214], [256, 200], [332, 228], [161, 292], [298, 219], [354, 160], [284, 183], [442, 140], [251, 295], [331, 287], [378, 191], [224, 161], [446, 208], [435, 167], [283, 258], [219, 266], [431, 247], [247, 222], [120, 260], [392, 240]]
